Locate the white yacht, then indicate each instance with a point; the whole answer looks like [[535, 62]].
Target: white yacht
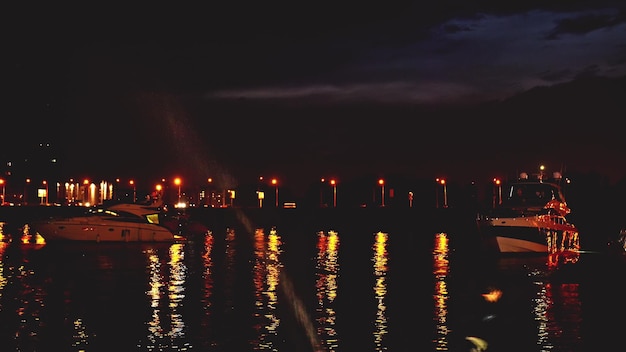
[[530, 217], [118, 223]]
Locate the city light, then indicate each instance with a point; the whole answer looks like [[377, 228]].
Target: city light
[[322, 181], [325, 192], [445, 193], [45, 195], [497, 196], [442, 182], [26, 186], [177, 182], [132, 183], [275, 183], [4, 192], [333, 183]]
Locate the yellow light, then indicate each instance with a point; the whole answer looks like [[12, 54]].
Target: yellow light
[[492, 296]]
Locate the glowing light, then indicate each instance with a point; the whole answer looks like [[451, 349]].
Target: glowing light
[[479, 344], [492, 296]]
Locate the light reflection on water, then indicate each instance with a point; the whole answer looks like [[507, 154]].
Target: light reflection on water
[[380, 289], [327, 272], [39, 293], [166, 282], [267, 268], [440, 271], [553, 330]]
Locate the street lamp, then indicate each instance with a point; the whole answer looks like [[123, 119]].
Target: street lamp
[[26, 191], [43, 193], [132, 183], [381, 182], [158, 188], [334, 184], [177, 182], [442, 182], [209, 194], [445, 192], [497, 192], [86, 190], [115, 187], [2, 182], [275, 183], [322, 181], [542, 169]]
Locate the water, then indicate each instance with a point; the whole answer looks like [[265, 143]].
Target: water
[[297, 289]]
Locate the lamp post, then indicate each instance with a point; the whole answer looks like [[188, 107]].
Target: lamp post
[[497, 194], [442, 182], [209, 193], [333, 183], [26, 186], [177, 182], [117, 184], [85, 190], [275, 183], [158, 189], [4, 193], [445, 193], [45, 183], [381, 182], [132, 183], [322, 181]]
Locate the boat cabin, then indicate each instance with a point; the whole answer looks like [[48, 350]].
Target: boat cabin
[[527, 194]]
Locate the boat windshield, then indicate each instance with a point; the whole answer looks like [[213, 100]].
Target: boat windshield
[[532, 194], [153, 218]]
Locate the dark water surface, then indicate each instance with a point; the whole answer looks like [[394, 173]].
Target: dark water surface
[[305, 289]]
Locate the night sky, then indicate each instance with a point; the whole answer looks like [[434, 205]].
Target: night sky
[[300, 90]]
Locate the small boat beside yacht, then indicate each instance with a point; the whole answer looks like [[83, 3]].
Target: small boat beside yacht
[[530, 217], [115, 223]]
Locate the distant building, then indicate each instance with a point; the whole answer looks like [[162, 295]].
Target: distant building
[[27, 170]]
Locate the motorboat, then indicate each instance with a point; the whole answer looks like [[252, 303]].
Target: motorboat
[[115, 223], [156, 211], [530, 217]]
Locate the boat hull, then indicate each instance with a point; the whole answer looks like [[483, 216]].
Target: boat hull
[[53, 231], [529, 235]]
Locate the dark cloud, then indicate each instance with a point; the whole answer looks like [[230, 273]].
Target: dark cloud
[[313, 86], [587, 23]]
